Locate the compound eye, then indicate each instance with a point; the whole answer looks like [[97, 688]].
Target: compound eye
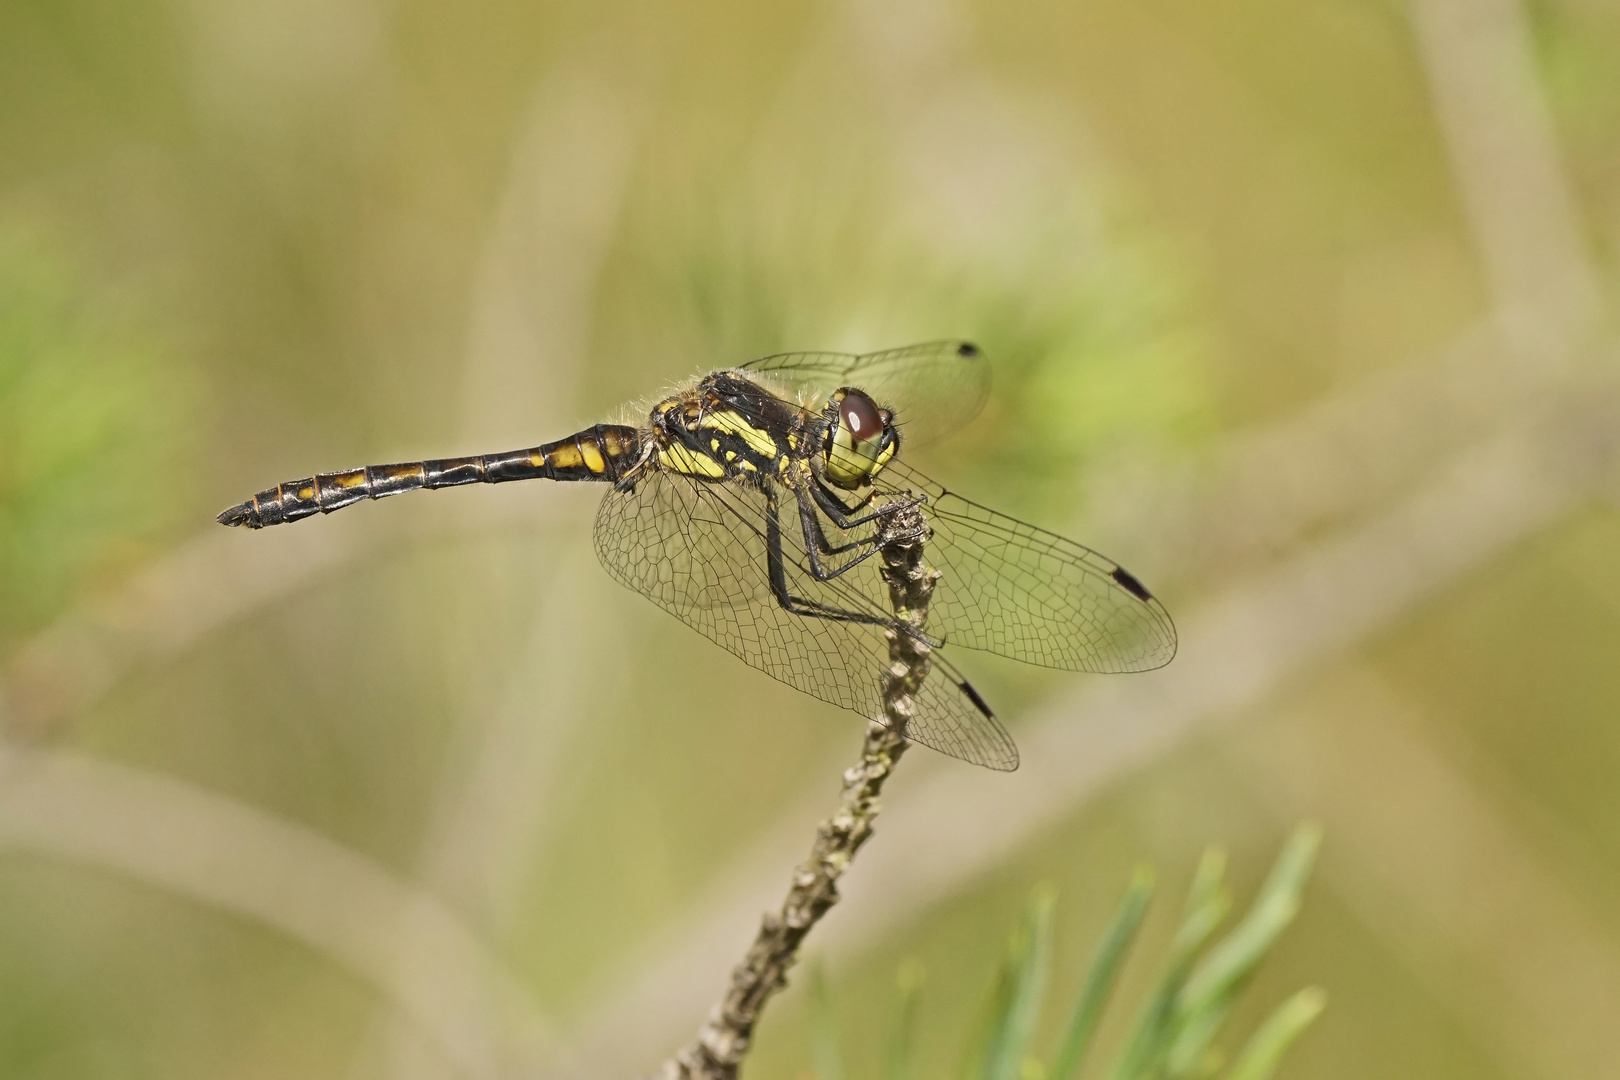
[[860, 416]]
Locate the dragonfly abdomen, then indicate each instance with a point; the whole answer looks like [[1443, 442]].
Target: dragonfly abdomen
[[602, 452]]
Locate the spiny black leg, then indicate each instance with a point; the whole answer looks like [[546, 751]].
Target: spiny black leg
[[816, 545], [841, 517], [773, 553], [777, 568]]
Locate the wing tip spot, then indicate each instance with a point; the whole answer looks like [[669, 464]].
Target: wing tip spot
[[973, 696], [1130, 584]]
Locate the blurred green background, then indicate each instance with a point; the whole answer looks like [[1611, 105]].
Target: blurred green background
[[1300, 311]]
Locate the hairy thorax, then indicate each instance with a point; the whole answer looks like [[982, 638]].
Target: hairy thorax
[[727, 427]]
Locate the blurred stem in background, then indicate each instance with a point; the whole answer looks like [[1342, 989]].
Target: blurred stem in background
[[1174, 1035]]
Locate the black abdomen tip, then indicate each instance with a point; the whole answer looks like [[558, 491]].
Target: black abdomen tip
[[240, 514]]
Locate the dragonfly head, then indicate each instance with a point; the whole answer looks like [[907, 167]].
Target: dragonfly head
[[860, 439]]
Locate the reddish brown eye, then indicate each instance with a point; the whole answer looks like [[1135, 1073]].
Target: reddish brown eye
[[860, 416]]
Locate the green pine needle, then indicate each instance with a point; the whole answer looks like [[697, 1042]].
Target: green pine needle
[[1207, 904], [1101, 976], [825, 1052], [1265, 1048], [903, 1036], [1015, 1003], [1236, 957], [1190, 1053]]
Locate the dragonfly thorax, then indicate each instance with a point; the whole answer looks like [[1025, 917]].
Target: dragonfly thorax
[[725, 427], [860, 439]]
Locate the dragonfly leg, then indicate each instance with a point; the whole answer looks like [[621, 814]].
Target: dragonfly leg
[[798, 605], [816, 544], [842, 518]]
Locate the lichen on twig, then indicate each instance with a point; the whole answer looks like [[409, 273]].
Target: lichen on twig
[[724, 1039]]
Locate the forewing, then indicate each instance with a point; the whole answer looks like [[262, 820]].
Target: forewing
[[1022, 592], [697, 550], [934, 388]]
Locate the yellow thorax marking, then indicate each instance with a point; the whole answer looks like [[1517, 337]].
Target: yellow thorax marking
[[682, 460], [731, 423]]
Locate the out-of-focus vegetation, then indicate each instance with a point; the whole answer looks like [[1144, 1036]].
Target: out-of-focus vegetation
[[95, 425], [1175, 1030], [415, 790]]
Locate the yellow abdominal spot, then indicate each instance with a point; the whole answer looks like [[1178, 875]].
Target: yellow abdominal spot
[[593, 457], [682, 460], [566, 457]]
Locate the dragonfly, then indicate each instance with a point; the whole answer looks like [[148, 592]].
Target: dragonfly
[[749, 504]]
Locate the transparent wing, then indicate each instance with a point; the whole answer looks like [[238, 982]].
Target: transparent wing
[[933, 389], [698, 550], [1022, 592], [1017, 590]]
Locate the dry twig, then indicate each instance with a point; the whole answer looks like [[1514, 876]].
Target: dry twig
[[724, 1040]]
